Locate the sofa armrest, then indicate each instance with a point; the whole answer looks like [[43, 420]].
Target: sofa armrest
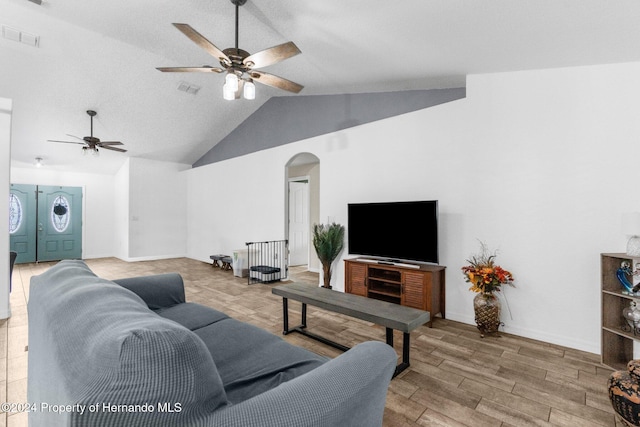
[[348, 390], [158, 291]]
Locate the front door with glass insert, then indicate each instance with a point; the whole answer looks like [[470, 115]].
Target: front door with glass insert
[[45, 222], [22, 222], [59, 223]]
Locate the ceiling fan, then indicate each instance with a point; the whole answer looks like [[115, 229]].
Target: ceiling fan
[[91, 143], [239, 64]]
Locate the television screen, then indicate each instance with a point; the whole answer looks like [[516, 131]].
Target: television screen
[[395, 231]]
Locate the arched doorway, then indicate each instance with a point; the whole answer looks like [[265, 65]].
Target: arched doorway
[[302, 208]]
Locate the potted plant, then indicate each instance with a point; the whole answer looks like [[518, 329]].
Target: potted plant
[[328, 240], [486, 278]]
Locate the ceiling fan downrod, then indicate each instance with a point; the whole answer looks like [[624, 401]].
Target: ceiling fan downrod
[[91, 113], [238, 3]]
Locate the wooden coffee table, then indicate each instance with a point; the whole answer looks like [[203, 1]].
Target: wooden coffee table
[[391, 316]]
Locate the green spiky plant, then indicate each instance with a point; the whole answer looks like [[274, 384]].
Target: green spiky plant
[[328, 240]]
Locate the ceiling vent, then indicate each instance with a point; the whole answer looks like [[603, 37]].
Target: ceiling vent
[[20, 36], [38, 2], [188, 87]]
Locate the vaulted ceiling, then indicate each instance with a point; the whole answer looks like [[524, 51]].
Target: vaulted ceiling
[[102, 55]]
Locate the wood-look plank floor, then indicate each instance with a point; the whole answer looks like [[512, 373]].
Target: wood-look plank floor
[[456, 378]]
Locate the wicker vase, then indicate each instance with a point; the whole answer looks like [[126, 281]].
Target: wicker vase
[[487, 310], [624, 394]]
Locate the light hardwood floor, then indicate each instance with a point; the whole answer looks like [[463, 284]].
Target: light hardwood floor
[[456, 378]]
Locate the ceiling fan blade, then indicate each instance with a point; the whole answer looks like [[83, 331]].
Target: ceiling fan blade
[[272, 55], [201, 41], [190, 69], [108, 147], [275, 81], [73, 136], [103, 143], [66, 142]]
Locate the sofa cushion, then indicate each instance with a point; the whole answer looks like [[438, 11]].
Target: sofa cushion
[[192, 315], [251, 361], [126, 354], [157, 291]]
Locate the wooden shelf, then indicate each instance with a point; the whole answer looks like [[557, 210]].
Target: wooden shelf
[[385, 297], [391, 293], [422, 288], [616, 344], [622, 333], [621, 295], [384, 287]]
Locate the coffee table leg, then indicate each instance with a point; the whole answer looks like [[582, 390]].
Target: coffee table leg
[[285, 315], [390, 336], [301, 329], [406, 344], [304, 315]]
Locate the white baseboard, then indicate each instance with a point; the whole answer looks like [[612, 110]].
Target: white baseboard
[[564, 341], [151, 258]]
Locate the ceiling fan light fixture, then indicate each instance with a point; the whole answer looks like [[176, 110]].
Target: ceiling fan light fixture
[[228, 93], [249, 91], [239, 64], [231, 81], [92, 150], [91, 143]]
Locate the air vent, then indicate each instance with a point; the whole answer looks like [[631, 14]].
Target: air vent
[[188, 87], [16, 35], [38, 2]]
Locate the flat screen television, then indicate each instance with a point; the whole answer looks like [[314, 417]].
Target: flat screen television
[[394, 231]]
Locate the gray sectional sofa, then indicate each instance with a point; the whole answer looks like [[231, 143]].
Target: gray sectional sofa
[[132, 352]]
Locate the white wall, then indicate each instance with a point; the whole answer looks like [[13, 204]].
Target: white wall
[[121, 204], [532, 163], [157, 209], [98, 212], [234, 202], [5, 161]]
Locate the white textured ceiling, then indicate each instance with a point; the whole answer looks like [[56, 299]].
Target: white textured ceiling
[[102, 55]]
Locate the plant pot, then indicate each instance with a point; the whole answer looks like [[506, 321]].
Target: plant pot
[[487, 310], [326, 276]]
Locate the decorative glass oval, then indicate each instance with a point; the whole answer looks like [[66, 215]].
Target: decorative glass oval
[[15, 213], [60, 214]]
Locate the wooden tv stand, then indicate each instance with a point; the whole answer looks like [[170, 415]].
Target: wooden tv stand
[[422, 288]]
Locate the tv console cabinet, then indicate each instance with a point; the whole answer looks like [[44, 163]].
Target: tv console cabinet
[[421, 287]]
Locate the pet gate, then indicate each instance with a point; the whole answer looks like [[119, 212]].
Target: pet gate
[[268, 261]]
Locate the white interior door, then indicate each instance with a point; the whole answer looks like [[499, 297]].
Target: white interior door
[[298, 222]]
